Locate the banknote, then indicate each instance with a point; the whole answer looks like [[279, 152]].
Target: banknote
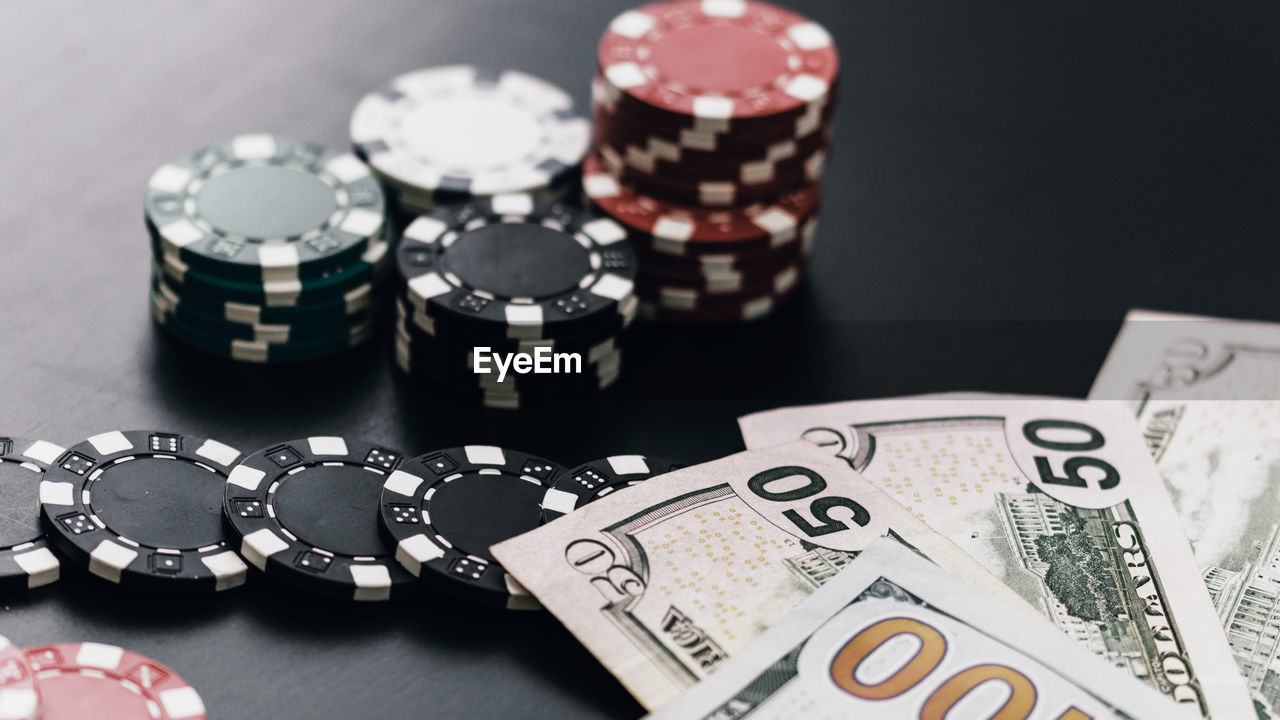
[[667, 579], [1059, 499], [1207, 397], [894, 636]]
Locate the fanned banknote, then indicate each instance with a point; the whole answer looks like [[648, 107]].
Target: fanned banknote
[[1207, 396], [1061, 501], [667, 579], [894, 636]]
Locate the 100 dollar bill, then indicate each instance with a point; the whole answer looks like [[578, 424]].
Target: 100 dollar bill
[[666, 580], [1061, 501], [1207, 397], [895, 636]]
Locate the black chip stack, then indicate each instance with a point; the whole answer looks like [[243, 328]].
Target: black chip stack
[[267, 249], [514, 276]]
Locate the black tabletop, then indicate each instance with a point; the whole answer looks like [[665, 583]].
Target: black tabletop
[[1007, 180]]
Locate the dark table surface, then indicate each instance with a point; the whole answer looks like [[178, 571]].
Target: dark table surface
[[1007, 180]]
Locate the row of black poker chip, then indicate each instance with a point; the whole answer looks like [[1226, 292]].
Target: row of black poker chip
[[355, 528]]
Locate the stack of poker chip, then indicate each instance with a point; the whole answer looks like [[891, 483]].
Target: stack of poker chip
[[514, 276], [267, 249], [450, 134], [711, 129]]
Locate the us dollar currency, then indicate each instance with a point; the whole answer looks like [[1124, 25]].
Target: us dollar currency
[[1059, 499], [666, 580], [1207, 397], [896, 636]]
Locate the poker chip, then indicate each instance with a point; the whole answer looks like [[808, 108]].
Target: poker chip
[[686, 306], [306, 512], [529, 280], [452, 133], [712, 192], [267, 249], [352, 304], [460, 338], [25, 559], [169, 302], [614, 124], [19, 696], [281, 293], [698, 269], [714, 168], [443, 510], [94, 680], [770, 63], [592, 481], [141, 509], [658, 159], [517, 267], [264, 208], [257, 349], [410, 206], [676, 229], [695, 287]]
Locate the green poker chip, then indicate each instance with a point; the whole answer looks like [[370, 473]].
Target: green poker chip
[[265, 209]]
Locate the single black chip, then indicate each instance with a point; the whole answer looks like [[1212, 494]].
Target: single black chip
[[142, 508], [445, 509], [306, 511]]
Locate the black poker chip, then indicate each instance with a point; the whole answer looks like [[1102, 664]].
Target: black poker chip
[[306, 512], [443, 510], [515, 267], [421, 327], [142, 508], [592, 481], [25, 558]]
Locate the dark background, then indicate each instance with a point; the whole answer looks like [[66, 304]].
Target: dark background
[[1007, 180]]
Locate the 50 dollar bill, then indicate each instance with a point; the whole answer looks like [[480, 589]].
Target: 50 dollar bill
[[666, 580], [1061, 501]]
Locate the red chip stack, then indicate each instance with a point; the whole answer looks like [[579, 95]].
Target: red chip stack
[[712, 121]]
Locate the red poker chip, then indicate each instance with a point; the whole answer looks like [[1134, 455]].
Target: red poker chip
[[710, 192], [622, 117], [19, 696], [681, 229], [688, 272], [722, 64], [655, 155], [691, 308], [679, 286], [93, 680], [715, 264]]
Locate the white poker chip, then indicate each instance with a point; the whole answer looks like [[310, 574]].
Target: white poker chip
[[457, 132]]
